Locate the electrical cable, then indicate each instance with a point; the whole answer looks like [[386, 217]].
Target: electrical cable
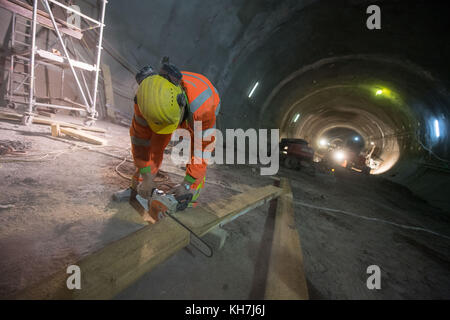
[[429, 150], [415, 228]]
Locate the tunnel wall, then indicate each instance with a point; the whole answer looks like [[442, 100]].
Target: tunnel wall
[[331, 48], [236, 43]]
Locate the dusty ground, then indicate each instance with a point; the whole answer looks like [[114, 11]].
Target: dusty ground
[[62, 210]]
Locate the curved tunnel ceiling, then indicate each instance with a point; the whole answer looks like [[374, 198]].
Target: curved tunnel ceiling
[[315, 58], [328, 70]]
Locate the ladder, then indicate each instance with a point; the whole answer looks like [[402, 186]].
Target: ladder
[[26, 57]]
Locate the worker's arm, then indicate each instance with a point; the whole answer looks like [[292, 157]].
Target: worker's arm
[[148, 150], [140, 134]]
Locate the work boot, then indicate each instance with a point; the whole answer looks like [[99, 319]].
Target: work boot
[[122, 195]]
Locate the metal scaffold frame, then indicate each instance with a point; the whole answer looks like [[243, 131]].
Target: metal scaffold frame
[[50, 59]]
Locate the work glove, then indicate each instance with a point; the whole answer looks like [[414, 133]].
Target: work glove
[[145, 188], [183, 194]]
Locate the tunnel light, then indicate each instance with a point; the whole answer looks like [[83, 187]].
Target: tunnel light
[[437, 132], [356, 138], [372, 143], [296, 117], [253, 90], [323, 142], [339, 155], [379, 92]]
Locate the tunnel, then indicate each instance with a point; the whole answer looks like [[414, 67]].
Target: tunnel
[[317, 60], [317, 74]]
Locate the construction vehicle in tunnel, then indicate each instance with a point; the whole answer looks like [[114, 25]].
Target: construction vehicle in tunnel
[[296, 153], [357, 161], [346, 158]]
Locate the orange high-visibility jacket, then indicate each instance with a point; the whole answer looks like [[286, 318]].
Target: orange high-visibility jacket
[[204, 104]]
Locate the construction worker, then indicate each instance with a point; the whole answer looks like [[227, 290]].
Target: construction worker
[[164, 102]]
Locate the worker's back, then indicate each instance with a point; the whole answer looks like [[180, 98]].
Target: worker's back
[[204, 101]]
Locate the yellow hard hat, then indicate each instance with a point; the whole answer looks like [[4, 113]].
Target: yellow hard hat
[[157, 101]]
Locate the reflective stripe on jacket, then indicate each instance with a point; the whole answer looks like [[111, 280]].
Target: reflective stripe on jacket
[[204, 104]]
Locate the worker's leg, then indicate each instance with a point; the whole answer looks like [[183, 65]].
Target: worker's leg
[[159, 143], [198, 188]]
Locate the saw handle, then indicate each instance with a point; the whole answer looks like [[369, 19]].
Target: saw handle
[[183, 201]]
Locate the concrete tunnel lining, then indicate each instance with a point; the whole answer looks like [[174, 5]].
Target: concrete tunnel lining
[[399, 115], [393, 59]]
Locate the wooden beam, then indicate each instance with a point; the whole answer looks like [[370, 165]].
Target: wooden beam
[[109, 92], [56, 130], [43, 19], [113, 268], [286, 278], [83, 136]]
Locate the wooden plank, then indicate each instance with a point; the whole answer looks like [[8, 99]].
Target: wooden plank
[[286, 278], [113, 268], [49, 122], [56, 130], [66, 124], [83, 136], [223, 207], [43, 19], [62, 60], [109, 92]]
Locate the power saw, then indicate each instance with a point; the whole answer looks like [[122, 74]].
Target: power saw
[[162, 205]]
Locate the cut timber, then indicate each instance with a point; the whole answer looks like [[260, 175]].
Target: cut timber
[[286, 278], [113, 268], [49, 122], [83, 136], [109, 92], [56, 130], [26, 11]]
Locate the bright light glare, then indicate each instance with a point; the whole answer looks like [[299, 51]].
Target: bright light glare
[[323, 142], [356, 138], [379, 92], [253, 90], [437, 132], [339, 155], [372, 143], [296, 117]]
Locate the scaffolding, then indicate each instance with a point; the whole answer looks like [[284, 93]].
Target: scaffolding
[[21, 83]]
